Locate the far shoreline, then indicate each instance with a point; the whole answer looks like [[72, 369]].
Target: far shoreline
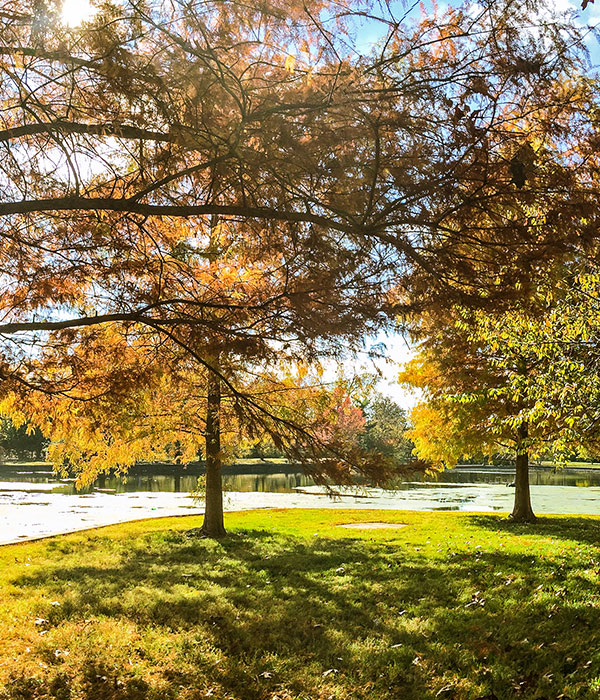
[[276, 465]]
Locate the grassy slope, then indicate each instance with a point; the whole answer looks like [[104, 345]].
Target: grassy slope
[[452, 606]]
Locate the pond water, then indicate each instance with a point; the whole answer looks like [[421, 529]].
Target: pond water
[[34, 502]]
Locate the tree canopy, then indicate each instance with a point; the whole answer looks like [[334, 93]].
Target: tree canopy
[[123, 137], [385, 428]]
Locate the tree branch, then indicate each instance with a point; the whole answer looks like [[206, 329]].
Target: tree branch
[[120, 131], [131, 206]]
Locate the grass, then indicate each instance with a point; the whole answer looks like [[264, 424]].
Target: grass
[[463, 606]]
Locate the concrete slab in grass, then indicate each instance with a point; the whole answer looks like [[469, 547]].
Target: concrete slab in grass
[[372, 526]]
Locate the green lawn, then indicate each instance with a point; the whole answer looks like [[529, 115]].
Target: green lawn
[[289, 606]]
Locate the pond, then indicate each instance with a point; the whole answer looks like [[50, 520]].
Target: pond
[[34, 502]]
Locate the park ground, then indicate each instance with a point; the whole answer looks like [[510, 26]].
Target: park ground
[[290, 606]]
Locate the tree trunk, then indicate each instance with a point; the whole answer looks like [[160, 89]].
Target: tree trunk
[[213, 504], [522, 510], [213, 510]]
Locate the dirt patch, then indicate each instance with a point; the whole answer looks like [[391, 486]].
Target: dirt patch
[[372, 526]]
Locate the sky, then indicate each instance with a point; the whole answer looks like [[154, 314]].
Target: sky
[[400, 351]]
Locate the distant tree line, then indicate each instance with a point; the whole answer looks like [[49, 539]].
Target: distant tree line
[[380, 426], [23, 442]]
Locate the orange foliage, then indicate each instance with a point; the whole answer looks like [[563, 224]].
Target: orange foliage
[[243, 181]]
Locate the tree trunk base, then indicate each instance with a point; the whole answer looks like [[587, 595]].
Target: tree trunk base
[[212, 525], [522, 517], [212, 533], [522, 511], [206, 533]]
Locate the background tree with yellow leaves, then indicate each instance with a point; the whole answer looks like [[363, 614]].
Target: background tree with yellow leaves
[[524, 382]]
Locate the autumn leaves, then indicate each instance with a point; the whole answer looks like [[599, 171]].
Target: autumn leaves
[[177, 187]]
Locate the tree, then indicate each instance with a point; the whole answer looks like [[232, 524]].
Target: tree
[[474, 401], [156, 403], [386, 426], [241, 176], [525, 381], [21, 440]]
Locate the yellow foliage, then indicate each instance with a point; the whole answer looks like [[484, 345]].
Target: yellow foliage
[[432, 437], [290, 63]]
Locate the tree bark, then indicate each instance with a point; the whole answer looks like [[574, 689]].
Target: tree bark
[[213, 510], [522, 511]]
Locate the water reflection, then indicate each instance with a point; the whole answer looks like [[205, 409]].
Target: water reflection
[[272, 479], [273, 483], [543, 476], [153, 479]]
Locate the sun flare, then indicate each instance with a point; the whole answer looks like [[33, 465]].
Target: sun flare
[[74, 12]]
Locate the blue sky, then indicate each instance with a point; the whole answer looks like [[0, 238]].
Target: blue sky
[[371, 31]]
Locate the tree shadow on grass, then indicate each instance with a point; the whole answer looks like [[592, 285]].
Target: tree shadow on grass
[[575, 528], [260, 616]]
